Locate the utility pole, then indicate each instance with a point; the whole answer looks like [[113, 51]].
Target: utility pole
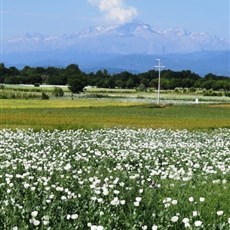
[[159, 79]]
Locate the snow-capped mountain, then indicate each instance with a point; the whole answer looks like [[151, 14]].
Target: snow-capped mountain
[[94, 47], [130, 38]]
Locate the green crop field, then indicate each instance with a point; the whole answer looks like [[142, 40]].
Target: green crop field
[[67, 114]]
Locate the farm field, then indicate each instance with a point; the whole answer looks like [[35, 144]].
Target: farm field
[[93, 114], [167, 96], [115, 179], [114, 163]]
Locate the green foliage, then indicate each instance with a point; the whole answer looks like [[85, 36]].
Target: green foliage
[[142, 87], [2, 87], [130, 84], [72, 69], [192, 90], [45, 96], [62, 76], [227, 94], [18, 94], [177, 90], [58, 92], [77, 83], [212, 93]]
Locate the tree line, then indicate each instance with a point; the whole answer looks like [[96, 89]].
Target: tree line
[[77, 79]]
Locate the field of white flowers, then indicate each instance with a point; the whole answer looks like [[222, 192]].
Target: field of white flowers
[[115, 179]]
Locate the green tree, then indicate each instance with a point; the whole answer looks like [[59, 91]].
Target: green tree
[[130, 83], [71, 70], [77, 82], [3, 73], [13, 71], [120, 84], [13, 80]]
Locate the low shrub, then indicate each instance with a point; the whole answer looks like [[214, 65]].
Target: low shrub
[[58, 92], [212, 93], [45, 96]]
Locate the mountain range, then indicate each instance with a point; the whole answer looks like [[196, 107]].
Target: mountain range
[[132, 46]]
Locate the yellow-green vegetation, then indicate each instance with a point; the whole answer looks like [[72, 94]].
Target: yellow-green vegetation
[[83, 113], [57, 104]]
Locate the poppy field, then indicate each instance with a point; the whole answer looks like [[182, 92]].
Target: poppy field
[[114, 178]]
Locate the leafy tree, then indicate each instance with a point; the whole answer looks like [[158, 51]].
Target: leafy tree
[[153, 83], [27, 71], [207, 83], [226, 86], [210, 76], [3, 72], [130, 83], [57, 79], [77, 83], [3, 69], [2, 79], [51, 71], [119, 83], [40, 70], [165, 83], [111, 82], [13, 71], [100, 83], [13, 80], [76, 79], [144, 81], [71, 70], [102, 73]]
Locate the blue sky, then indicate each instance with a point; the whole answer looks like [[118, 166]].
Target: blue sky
[[66, 16]]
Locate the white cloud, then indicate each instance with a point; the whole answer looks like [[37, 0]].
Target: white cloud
[[115, 10]]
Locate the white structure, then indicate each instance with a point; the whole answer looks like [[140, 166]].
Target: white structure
[[159, 79]]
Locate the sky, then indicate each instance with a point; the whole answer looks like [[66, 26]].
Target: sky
[[68, 16]]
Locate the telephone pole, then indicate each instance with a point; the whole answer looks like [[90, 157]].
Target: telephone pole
[[159, 79]]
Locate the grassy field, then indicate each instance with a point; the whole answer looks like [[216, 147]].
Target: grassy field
[[83, 113]]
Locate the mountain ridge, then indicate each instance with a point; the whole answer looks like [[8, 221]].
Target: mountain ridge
[[149, 39], [101, 45]]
